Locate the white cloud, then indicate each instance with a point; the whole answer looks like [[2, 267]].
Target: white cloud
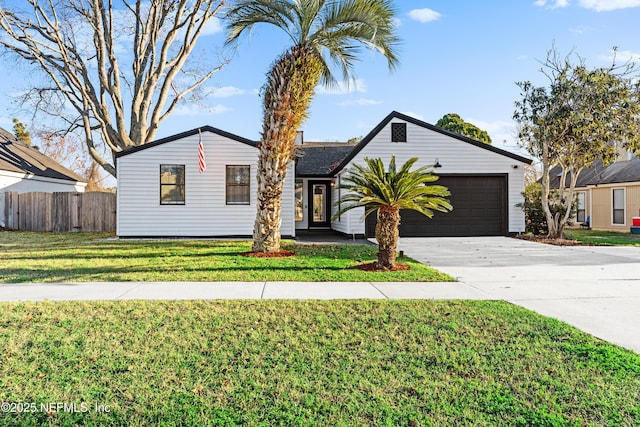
[[414, 115], [226, 92], [200, 110], [214, 26], [621, 56], [552, 4], [606, 5], [359, 102], [579, 30], [424, 15], [502, 133], [597, 5], [343, 87]]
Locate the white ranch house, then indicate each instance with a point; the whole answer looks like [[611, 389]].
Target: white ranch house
[[161, 192]]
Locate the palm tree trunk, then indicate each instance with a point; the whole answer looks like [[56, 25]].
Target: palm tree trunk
[[387, 236], [287, 94], [270, 178]]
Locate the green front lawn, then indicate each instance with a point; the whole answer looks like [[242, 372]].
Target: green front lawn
[[603, 237], [331, 363], [82, 257]]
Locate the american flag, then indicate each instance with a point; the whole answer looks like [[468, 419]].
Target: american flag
[[202, 164]]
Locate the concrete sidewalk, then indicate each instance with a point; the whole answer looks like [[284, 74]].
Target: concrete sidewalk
[[90, 291]]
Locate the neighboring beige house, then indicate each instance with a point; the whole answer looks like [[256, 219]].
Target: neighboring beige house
[[609, 196]]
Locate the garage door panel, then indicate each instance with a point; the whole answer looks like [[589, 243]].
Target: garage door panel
[[479, 207]]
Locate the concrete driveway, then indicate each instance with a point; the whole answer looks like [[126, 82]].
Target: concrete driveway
[[594, 288]]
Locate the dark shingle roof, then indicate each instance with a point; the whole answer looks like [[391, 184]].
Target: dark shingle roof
[[16, 156], [320, 159], [617, 172]]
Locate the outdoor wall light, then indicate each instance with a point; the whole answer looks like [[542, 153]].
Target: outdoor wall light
[[437, 164]]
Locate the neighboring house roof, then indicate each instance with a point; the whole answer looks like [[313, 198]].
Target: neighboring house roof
[[185, 135], [315, 159], [18, 157], [409, 119], [616, 172]]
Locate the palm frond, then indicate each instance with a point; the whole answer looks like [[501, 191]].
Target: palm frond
[[247, 13], [373, 187], [336, 30]]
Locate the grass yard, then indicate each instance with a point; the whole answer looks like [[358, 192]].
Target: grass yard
[[342, 363], [85, 257], [603, 237]]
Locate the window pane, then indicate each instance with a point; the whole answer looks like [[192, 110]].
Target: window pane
[[318, 203], [172, 174], [618, 199], [618, 206], [580, 207], [299, 211], [238, 188], [618, 216], [172, 188]]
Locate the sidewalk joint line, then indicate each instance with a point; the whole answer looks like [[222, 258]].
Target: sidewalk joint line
[[119, 297], [376, 288], [264, 286]]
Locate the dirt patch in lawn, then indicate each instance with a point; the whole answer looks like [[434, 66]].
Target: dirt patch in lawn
[[371, 266], [558, 242], [279, 254]]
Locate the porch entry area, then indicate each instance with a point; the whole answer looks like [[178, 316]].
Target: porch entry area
[[313, 204]]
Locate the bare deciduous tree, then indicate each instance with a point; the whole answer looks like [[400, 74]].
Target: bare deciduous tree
[[115, 69], [69, 150]]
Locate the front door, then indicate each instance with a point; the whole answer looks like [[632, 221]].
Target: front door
[[319, 204]]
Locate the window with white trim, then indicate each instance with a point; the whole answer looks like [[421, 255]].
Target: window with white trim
[[618, 215]]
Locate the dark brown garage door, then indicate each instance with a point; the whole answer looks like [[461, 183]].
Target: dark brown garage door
[[479, 209]]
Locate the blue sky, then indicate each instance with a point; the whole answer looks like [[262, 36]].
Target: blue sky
[[459, 57]]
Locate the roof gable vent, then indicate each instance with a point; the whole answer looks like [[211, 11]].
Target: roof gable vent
[[398, 132]]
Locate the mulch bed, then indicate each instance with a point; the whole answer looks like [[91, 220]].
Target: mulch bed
[[279, 254], [371, 266], [558, 242]]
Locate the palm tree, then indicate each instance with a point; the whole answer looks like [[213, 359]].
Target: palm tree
[[386, 192], [324, 33]]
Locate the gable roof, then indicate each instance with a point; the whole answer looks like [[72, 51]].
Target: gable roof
[[18, 157], [409, 119], [185, 135], [320, 159], [616, 172]]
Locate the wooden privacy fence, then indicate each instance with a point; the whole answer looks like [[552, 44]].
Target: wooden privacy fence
[[63, 211]]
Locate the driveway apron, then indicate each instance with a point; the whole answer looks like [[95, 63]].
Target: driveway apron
[[594, 288]]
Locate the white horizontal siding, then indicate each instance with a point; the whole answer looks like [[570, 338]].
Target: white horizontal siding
[[205, 212], [455, 156], [25, 183]]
